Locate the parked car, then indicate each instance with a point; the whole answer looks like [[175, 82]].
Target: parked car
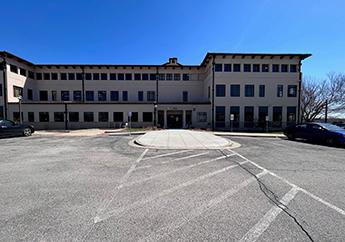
[[317, 132], [9, 128]]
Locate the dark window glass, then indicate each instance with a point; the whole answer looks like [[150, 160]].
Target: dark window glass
[[140, 96], [263, 113], [14, 69], [88, 117], [284, 68], [128, 76], [104, 76], [137, 76], [261, 90], [74, 116], [124, 96], [280, 89], [145, 76], [43, 95], [63, 76], [185, 77], [169, 76], [31, 75], [292, 91], [1, 112], [293, 68], [150, 96], [275, 68], [54, 76], [30, 94], [59, 117], [161, 77], [54, 95], [38, 76], [218, 67], [77, 96], [220, 116], [88, 76], [256, 68], [22, 72], [235, 90], [237, 67], [147, 116], [235, 110], [177, 77], [249, 90], [220, 90], [277, 116], [64, 95], [118, 116], [17, 91], [248, 117], [90, 96], [247, 67], [227, 67], [114, 95], [112, 76], [185, 96], [79, 76], [31, 116], [43, 116], [46, 76], [121, 76], [152, 76], [134, 117], [265, 68], [291, 115], [95, 76], [0, 90], [16, 117], [102, 96], [103, 117]]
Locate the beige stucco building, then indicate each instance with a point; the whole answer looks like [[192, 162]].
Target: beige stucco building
[[227, 90]]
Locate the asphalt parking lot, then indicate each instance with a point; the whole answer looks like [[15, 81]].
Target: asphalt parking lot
[[102, 189]]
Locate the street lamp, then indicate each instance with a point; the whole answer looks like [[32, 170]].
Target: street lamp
[[155, 115], [20, 108]]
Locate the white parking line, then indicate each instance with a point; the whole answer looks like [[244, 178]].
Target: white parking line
[[187, 157], [157, 235], [164, 193], [167, 154], [256, 231]]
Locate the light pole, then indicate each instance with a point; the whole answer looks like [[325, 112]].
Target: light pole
[[20, 108]]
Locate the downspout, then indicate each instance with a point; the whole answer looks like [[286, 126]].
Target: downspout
[[4, 72], [83, 84], [299, 118], [212, 104]]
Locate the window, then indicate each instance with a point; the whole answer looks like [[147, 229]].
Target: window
[[74, 116], [64, 95], [121, 76], [0, 90], [59, 117], [256, 68], [248, 117], [263, 112], [128, 76], [185, 96], [77, 96], [218, 67], [208, 92], [88, 76], [114, 95], [39, 76], [161, 77], [247, 67], [227, 67], [17, 91], [104, 76], [145, 76], [102, 96], [79, 76], [291, 114], [31, 75], [54, 95], [95, 76], [16, 117], [22, 71], [293, 68], [261, 90], [90, 96], [46, 76], [103, 117], [71, 76], [292, 91], [220, 116], [275, 68], [185, 77], [265, 68], [1, 112], [277, 116], [235, 90], [43, 95], [118, 116], [284, 68], [134, 117], [169, 77], [54, 76], [147, 117], [43, 116], [249, 90], [30, 94], [237, 67], [112, 76], [63, 76], [124, 95], [14, 69], [150, 96], [31, 117], [177, 77], [220, 90], [201, 117], [152, 76], [137, 76], [88, 117], [280, 90], [140, 96], [235, 110]]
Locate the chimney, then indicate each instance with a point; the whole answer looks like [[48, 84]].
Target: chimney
[[173, 60]]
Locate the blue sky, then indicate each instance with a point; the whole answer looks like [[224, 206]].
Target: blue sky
[[149, 32]]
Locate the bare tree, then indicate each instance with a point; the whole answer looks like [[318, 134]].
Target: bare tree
[[315, 95]]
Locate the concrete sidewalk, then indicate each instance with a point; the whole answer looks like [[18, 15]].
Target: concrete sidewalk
[[249, 134]]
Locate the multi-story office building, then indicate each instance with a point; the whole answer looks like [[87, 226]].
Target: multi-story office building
[[238, 90]]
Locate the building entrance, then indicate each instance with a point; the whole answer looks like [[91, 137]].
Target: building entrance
[[175, 119]]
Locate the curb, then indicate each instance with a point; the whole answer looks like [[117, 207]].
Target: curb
[[256, 135]]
